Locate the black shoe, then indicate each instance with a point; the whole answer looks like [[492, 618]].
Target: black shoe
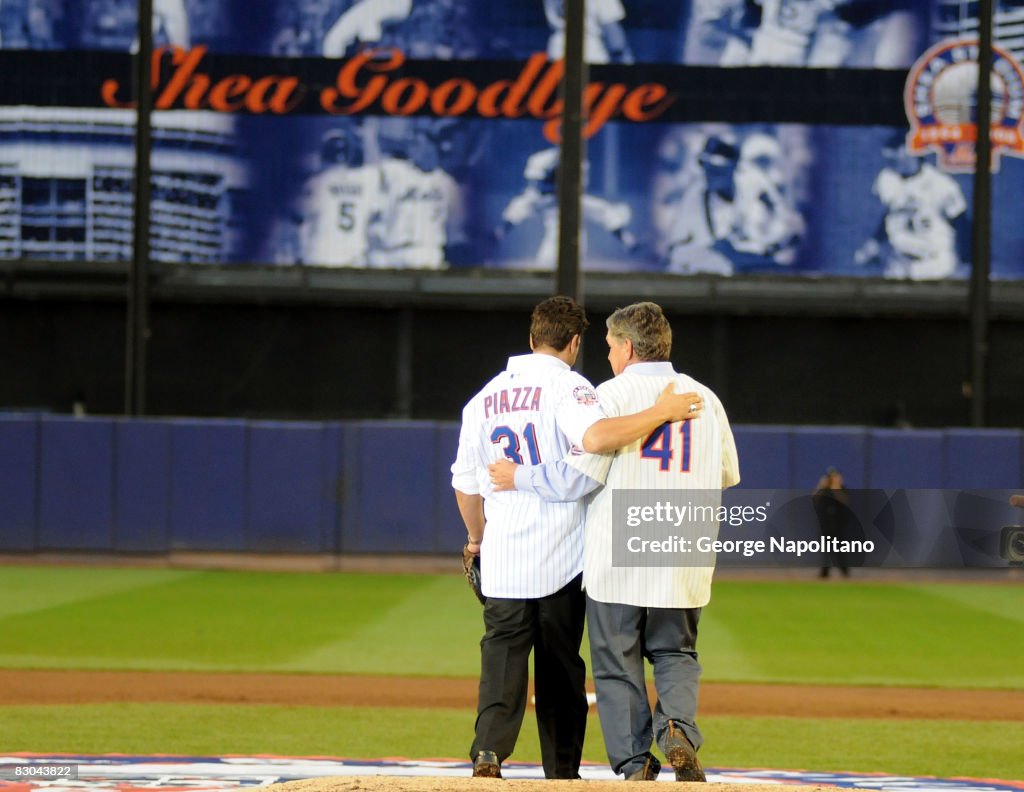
[[649, 772], [681, 755], [486, 765]]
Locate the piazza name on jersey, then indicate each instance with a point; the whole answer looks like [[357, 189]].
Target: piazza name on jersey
[[512, 400]]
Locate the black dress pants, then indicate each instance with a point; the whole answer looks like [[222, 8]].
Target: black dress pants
[[552, 627]]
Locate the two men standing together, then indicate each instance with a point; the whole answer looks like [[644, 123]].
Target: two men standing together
[[558, 440]]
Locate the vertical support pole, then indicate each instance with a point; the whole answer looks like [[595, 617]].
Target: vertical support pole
[[569, 280], [137, 335], [981, 239]]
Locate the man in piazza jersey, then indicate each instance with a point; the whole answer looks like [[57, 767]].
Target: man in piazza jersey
[[531, 552]]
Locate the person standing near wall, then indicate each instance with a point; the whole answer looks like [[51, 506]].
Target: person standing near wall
[[830, 504]]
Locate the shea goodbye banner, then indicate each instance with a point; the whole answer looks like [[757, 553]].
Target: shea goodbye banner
[[784, 138], [951, 529]]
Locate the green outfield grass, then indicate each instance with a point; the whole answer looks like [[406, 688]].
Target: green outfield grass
[[917, 634], [946, 749], [928, 634]]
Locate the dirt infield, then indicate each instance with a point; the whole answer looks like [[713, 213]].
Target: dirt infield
[[813, 701], [79, 687]]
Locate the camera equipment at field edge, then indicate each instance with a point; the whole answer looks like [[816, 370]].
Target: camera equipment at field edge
[[1011, 541]]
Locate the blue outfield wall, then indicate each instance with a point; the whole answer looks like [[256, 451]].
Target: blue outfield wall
[[154, 486]]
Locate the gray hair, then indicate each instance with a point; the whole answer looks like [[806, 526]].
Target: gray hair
[[645, 325]]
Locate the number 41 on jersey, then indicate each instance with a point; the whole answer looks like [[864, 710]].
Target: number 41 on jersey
[[659, 445]]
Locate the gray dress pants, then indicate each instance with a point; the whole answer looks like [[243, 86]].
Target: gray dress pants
[[621, 636]]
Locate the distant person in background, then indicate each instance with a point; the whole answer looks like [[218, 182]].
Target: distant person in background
[[78, 405], [604, 39], [831, 506]]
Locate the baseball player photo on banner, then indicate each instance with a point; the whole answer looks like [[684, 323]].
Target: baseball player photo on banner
[[882, 212], [730, 199], [365, 192], [402, 184], [522, 200], [615, 31], [432, 30], [813, 33]]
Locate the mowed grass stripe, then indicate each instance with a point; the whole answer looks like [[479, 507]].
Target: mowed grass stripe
[[28, 590], [1001, 603], [942, 635], [864, 633], [215, 620], [435, 631], [945, 749]]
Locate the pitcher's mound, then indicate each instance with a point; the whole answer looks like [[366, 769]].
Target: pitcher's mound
[[448, 784]]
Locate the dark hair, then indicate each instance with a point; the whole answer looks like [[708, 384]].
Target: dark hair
[[555, 321]]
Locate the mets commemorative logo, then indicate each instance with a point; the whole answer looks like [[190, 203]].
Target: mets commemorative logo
[[942, 104], [585, 395]]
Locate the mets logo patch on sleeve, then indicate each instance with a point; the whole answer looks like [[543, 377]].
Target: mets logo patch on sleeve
[[584, 394]]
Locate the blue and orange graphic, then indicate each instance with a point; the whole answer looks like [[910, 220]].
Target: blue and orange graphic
[[941, 101]]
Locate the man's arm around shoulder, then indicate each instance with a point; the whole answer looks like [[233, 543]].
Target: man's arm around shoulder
[[609, 434]]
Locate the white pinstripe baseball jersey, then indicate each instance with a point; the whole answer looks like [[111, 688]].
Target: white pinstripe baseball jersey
[[337, 205], [688, 455], [419, 210], [534, 411]]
